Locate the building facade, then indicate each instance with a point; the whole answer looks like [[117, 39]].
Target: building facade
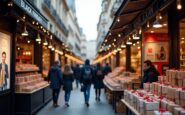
[[62, 21], [109, 8], [90, 50]]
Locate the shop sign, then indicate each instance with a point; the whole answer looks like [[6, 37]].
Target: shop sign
[[31, 11]]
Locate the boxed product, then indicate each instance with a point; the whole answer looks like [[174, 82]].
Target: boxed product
[[162, 112]]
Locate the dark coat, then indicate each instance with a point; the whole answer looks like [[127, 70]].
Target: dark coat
[[106, 70], [77, 73], [82, 80], [55, 77], [98, 79], [150, 75], [68, 81], [7, 74]]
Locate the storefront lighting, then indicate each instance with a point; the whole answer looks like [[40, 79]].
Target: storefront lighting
[[157, 24], [151, 31], [41, 27], [18, 48], [37, 23], [50, 46], [51, 37], [33, 22], [106, 40], [10, 4], [140, 31], [38, 39], [179, 5], [18, 21], [119, 35], [138, 42], [136, 37], [45, 43], [138, 47], [134, 44], [25, 33], [123, 46], [24, 17], [159, 16], [129, 42], [28, 41], [182, 38], [164, 24], [110, 34], [114, 39], [109, 45], [39, 42], [118, 20], [148, 24]]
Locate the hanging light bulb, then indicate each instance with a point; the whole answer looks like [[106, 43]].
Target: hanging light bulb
[[160, 16], [179, 5], [156, 24], [51, 37], [118, 20], [119, 35], [136, 36], [123, 46], [110, 34], [38, 39], [129, 42], [45, 42], [140, 31], [25, 33], [28, 41], [50, 46], [148, 24], [39, 42], [114, 39], [106, 40]]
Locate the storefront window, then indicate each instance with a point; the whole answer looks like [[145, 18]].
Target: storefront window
[[45, 61], [182, 44], [24, 51]]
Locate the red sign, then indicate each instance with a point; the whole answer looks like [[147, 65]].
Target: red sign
[[156, 37]]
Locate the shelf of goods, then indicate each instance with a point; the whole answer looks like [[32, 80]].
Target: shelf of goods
[[119, 79], [32, 92], [165, 97]]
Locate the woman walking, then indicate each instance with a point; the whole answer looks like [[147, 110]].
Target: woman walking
[[98, 81], [68, 79]]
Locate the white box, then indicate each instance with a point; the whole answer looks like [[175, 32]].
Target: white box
[[148, 106], [162, 113]]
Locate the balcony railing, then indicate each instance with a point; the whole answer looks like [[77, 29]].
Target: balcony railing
[[52, 10]]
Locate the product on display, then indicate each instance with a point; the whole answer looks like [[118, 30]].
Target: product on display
[[26, 67], [28, 82]]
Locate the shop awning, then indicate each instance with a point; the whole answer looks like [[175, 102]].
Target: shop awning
[[125, 15]]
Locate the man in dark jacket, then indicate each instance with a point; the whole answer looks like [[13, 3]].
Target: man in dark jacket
[[150, 73], [107, 69], [55, 78], [86, 80], [77, 72]]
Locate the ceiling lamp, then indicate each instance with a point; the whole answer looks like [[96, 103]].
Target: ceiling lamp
[[110, 34], [123, 46], [38, 39], [140, 31], [119, 35], [157, 24], [179, 5], [45, 42], [50, 46], [25, 33], [148, 24], [159, 16], [51, 37], [118, 20], [129, 42], [114, 39], [136, 37]]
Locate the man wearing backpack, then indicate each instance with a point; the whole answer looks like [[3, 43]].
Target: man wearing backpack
[[86, 80]]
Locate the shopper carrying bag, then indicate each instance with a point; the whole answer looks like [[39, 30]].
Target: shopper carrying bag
[[98, 81], [68, 78]]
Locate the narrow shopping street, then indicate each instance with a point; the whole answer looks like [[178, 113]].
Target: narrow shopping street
[[77, 106]]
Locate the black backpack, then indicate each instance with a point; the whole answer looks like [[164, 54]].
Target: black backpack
[[87, 75]]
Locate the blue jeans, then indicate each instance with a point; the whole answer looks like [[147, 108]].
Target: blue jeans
[[55, 95], [77, 83], [67, 96], [87, 92]]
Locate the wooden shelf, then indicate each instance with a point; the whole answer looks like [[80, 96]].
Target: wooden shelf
[[24, 71], [130, 107]]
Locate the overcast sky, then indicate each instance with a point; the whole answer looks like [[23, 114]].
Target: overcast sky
[[88, 12]]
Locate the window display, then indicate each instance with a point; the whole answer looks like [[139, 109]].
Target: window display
[[45, 61], [182, 44], [5, 62]]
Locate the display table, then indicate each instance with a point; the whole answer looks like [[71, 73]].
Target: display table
[[30, 103], [117, 93], [129, 108]]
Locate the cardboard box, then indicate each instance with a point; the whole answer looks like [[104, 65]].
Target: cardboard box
[[151, 105], [162, 113], [177, 110], [171, 106]]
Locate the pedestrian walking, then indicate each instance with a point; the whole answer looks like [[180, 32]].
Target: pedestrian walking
[[98, 81], [86, 81], [77, 72], [55, 79], [107, 69], [68, 79]]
